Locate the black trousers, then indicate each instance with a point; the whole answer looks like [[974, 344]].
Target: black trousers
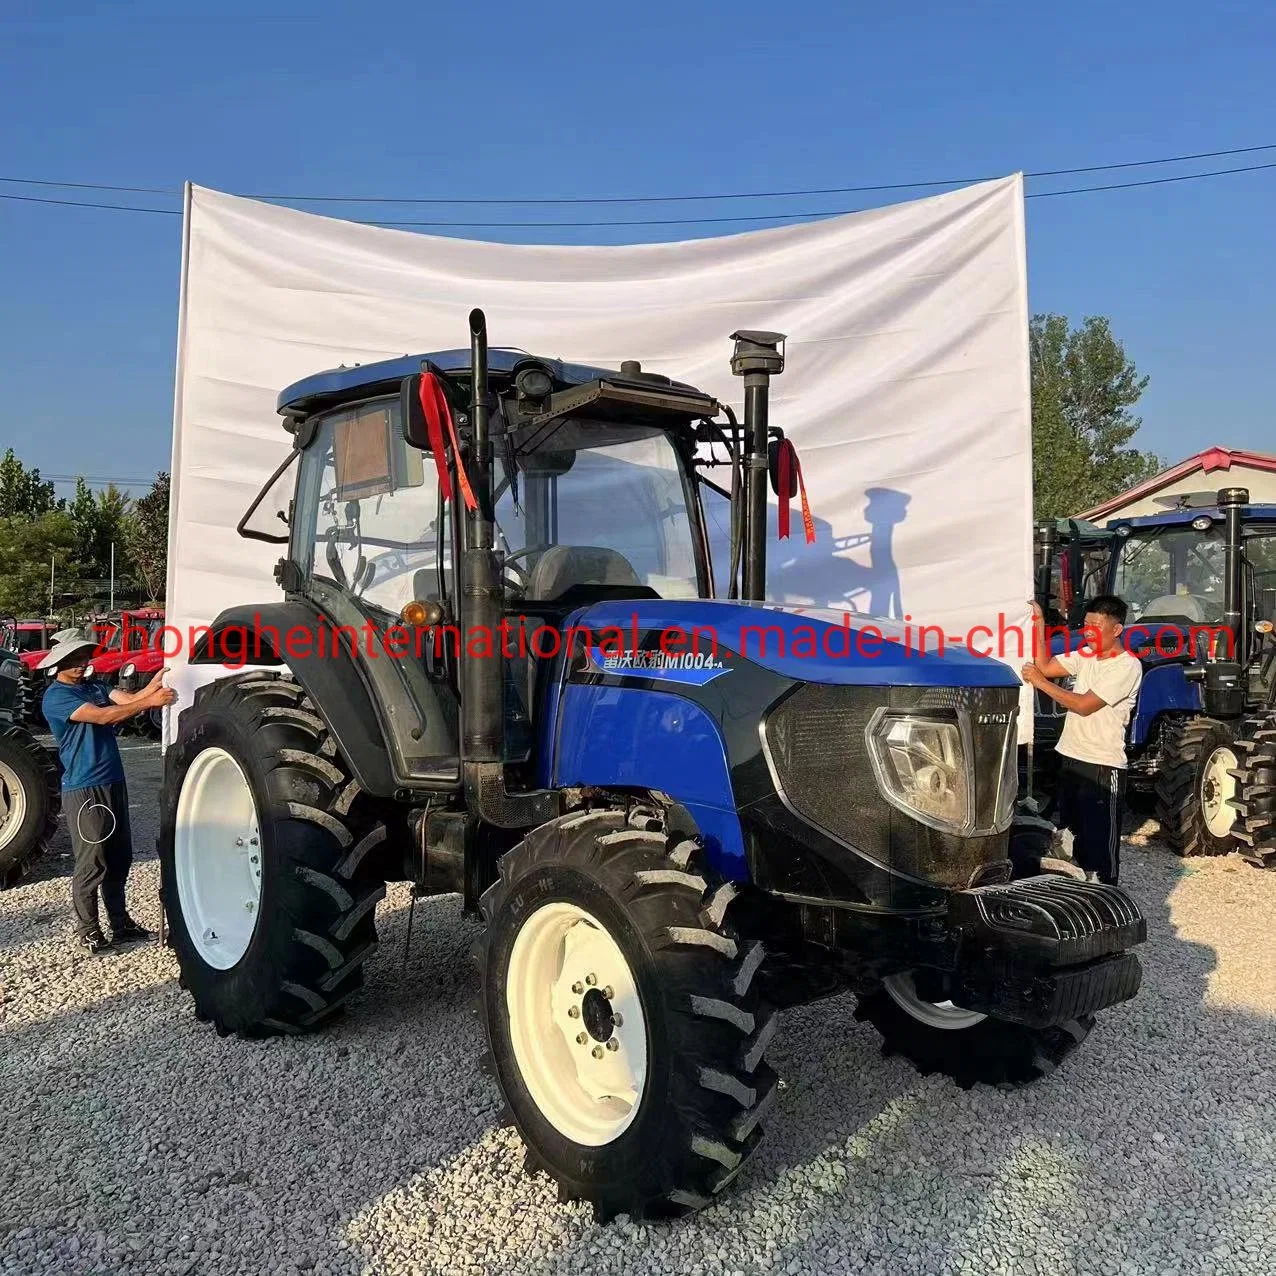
[[1091, 803], [97, 819]]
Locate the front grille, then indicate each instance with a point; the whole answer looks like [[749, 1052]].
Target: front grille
[[818, 754]]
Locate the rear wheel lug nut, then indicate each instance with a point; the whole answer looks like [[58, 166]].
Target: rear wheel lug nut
[[573, 1012], [591, 980], [618, 1020], [613, 1044], [582, 1038], [578, 988], [597, 1052], [609, 992]]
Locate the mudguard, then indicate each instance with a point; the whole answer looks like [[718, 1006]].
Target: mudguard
[[333, 679]]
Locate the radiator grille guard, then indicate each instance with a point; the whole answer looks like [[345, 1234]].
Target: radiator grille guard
[[817, 751]]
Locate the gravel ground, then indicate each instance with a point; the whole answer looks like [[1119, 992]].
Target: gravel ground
[[138, 1141]]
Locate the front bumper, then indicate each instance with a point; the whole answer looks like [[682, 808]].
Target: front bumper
[[1044, 950]]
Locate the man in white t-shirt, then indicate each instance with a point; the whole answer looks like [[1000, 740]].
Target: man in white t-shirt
[[1105, 681]]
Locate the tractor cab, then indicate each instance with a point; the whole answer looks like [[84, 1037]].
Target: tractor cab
[[587, 491]]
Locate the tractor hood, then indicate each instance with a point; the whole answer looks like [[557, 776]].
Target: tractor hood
[[811, 644]]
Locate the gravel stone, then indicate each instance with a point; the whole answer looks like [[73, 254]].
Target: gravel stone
[[137, 1141]]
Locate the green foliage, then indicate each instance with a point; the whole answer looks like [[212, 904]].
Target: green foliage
[[26, 547], [1083, 387], [78, 534], [23, 494], [147, 533]]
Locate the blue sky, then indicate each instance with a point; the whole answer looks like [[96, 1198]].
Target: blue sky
[[572, 99]]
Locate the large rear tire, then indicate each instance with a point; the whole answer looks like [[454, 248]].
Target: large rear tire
[[622, 1015], [30, 799], [1255, 799], [270, 859], [973, 1049], [1196, 785]]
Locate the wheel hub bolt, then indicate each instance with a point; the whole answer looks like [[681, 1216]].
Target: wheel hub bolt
[[591, 980], [578, 988], [239, 841], [617, 1020], [613, 1044], [573, 1012], [609, 992], [582, 1038], [597, 1052]]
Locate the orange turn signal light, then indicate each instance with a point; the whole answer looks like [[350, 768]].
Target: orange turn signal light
[[421, 614]]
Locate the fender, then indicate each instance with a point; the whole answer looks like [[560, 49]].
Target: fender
[[331, 675], [617, 737], [1165, 689]]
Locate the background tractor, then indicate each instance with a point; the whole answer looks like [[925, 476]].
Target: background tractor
[[499, 669], [30, 781], [1201, 584]]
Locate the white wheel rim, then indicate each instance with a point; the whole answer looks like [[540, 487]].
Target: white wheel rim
[[13, 804], [1218, 789], [935, 1014], [568, 979], [217, 854]]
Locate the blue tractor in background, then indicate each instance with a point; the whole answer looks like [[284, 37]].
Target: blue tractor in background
[[1200, 582], [499, 668]]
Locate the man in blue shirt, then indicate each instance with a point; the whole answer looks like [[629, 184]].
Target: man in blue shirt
[[82, 714]]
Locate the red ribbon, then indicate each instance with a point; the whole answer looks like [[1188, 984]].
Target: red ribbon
[[438, 417], [788, 465]]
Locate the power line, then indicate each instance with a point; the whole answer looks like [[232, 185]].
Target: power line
[[669, 221], [657, 199]]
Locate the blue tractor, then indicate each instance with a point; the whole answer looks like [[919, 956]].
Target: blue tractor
[[1200, 580], [499, 668]]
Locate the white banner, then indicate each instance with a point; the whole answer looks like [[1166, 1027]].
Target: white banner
[[906, 391]]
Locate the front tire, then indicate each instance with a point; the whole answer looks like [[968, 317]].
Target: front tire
[[268, 857], [30, 799], [1196, 787], [663, 1119], [971, 1048]]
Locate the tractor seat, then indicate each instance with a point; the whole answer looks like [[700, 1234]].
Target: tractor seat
[[1179, 606], [561, 567]]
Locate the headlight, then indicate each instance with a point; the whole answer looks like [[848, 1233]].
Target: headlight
[[128, 670], [922, 768], [11, 669]]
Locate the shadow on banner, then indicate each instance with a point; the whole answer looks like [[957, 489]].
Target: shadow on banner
[[855, 570]]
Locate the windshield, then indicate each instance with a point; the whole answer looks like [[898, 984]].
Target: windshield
[[1171, 572], [627, 497], [367, 512]]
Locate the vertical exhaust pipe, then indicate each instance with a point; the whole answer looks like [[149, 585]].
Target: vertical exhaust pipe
[[482, 679], [1232, 501], [757, 357]]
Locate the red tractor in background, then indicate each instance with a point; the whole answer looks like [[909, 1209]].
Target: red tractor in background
[[131, 655], [121, 638]]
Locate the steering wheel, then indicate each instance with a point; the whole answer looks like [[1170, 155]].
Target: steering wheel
[[522, 574]]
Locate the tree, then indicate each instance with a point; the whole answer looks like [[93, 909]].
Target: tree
[[101, 521], [147, 532], [1083, 387], [26, 547], [23, 494]]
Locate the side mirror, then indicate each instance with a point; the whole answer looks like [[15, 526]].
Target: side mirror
[[773, 450], [415, 432]]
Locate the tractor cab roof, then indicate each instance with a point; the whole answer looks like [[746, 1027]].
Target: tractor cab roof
[[1250, 514], [339, 385]]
